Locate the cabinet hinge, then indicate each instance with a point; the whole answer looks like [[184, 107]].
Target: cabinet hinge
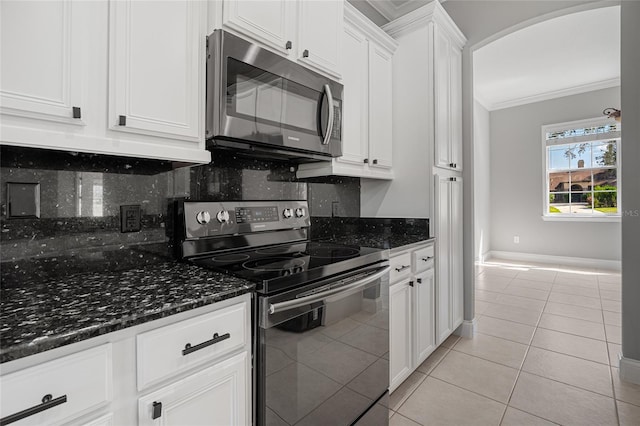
[[76, 112], [122, 120]]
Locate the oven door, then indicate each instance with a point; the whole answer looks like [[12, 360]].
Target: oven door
[[266, 100], [323, 353]]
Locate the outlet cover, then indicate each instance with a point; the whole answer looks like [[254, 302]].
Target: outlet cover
[[23, 200], [130, 218]]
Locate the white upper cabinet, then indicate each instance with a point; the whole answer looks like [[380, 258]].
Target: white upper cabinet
[[268, 22], [157, 68], [320, 34], [355, 146], [306, 31], [367, 54], [41, 69], [448, 100], [380, 107], [71, 68]]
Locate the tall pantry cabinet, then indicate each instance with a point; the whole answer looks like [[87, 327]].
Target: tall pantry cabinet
[[427, 112]]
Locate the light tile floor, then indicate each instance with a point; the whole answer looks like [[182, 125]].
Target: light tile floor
[[546, 352]]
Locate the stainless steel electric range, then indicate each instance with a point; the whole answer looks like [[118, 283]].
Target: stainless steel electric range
[[321, 317]]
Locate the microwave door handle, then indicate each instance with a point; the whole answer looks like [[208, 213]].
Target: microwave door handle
[[291, 304], [327, 135]]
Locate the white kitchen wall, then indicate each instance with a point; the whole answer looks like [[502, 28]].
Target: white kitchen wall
[[630, 14], [516, 191], [482, 180]]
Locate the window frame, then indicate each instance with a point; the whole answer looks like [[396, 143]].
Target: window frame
[[604, 137]]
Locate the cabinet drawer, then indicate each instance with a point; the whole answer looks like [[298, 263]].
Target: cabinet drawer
[[174, 348], [400, 267], [74, 385], [423, 259]]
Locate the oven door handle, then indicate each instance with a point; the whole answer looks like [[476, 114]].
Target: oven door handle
[[290, 304]]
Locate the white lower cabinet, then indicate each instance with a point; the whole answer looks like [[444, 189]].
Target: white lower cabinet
[[400, 325], [190, 368], [59, 390], [424, 312], [412, 313], [212, 396], [448, 220]]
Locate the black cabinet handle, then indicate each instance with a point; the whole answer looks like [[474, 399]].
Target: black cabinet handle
[[411, 283], [419, 280], [122, 120], [156, 410], [375, 161], [426, 259], [47, 402], [216, 339], [402, 268], [289, 45], [452, 179], [366, 161], [305, 54], [77, 113]]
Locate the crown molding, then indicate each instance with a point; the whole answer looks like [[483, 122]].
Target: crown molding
[[583, 88], [431, 12], [373, 32]]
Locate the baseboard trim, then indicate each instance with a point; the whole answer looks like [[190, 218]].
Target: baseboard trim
[[630, 370], [467, 329], [483, 257], [614, 265]]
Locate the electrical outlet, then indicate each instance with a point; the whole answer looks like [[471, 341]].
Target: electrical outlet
[[130, 218], [516, 239]]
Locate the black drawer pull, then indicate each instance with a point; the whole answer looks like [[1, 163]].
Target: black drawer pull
[[419, 280], [47, 402], [156, 411], [188, 348], [402, 268], [426, 259]]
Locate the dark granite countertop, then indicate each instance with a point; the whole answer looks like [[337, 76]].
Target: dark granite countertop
[[371, 232], [52, 302]]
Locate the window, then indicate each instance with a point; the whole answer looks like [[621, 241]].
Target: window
[[581, 179]]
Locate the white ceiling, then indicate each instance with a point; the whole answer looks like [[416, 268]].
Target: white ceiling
[[570, 54], [393, 9]]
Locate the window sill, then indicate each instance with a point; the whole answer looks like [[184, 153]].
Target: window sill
[[576, 218]]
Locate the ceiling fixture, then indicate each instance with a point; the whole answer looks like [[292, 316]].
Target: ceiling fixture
[[613, 113]]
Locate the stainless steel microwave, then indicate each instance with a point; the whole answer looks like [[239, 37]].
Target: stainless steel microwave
[[262, 102]]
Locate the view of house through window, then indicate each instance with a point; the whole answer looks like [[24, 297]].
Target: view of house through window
[[582, 169]]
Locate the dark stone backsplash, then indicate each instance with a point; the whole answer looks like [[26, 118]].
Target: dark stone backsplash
[[81, 195]]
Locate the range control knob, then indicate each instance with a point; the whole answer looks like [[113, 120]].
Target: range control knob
[[223, 216], [287, 213], [203, 217], [299, 212]]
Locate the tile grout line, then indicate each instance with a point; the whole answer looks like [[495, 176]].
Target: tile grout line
[[613, 387], [404, 400], [515, 383]]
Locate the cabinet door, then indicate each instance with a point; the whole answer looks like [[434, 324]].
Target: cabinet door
[[218, 395], [456, 107], [380, 107], [354, 78], [156, 74], [444, 324], [400, 332], [442, 106], [41, 67], [268, 22], [424, 316], [456, 274], [319, 34]]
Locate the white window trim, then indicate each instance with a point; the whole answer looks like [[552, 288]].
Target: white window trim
[[590, 122]]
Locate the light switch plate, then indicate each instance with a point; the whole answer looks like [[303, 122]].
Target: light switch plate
[[23, 200]]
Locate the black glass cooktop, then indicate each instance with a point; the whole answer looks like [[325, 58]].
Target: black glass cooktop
[[282, 267]]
